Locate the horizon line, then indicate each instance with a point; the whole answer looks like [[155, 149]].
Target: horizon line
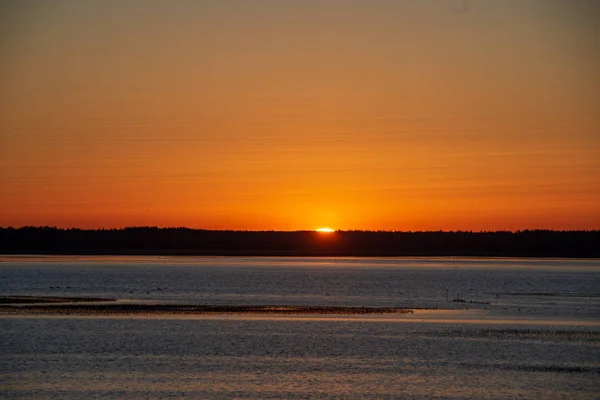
[[292, 231]]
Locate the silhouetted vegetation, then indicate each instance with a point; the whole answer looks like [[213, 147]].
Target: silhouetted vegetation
[[185, 241]]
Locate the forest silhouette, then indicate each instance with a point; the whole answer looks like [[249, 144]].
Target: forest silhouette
[[186, 241]]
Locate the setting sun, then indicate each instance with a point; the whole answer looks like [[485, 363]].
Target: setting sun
[[325, 230]]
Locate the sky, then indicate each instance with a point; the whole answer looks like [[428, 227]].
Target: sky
[[293, 115]]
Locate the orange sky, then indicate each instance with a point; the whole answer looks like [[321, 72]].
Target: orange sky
[[399, 115]]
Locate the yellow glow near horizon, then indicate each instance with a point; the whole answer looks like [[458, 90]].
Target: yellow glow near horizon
[[325, 230]]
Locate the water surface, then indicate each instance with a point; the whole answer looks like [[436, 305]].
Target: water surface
[[528, 329]]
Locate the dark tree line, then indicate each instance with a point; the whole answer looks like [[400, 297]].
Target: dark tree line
[[153, 240]]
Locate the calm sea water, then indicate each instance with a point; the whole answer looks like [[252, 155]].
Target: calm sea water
[[528, 328]]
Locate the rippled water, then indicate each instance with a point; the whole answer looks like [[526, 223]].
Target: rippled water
[[539, 336]]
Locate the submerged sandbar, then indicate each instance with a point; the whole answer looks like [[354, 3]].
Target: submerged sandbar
[[24, 305]]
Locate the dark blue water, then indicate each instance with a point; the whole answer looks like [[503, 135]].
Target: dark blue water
[[539, 336]]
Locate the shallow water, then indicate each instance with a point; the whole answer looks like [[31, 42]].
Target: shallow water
[[538, 338], [551, 286]]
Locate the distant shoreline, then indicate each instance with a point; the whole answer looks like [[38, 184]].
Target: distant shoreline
[[153, 241]]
